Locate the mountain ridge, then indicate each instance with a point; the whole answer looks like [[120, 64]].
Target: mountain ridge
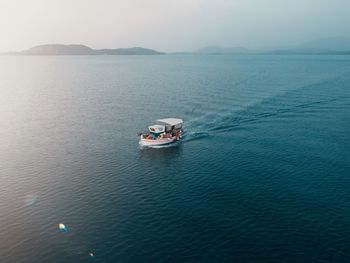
[[332, 45], [78, 49]]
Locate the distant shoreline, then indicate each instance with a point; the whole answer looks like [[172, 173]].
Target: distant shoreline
[[17, 54], [82, 50]]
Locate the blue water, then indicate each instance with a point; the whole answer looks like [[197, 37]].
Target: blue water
[[262, 174]]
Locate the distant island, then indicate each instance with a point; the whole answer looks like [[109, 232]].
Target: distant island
[[216, 50], [61, 50], [333, 46], [324, 46]]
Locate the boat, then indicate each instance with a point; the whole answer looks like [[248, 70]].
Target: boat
[[166, 131]]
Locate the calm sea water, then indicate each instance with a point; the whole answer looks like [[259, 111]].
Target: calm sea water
[[262, 175]]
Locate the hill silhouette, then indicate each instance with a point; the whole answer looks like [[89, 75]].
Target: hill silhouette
[[60, 49]]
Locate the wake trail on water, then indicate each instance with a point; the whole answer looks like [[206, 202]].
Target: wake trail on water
[[302, 100], [191, 135]]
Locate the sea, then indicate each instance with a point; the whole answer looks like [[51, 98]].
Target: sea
[[262, 173]]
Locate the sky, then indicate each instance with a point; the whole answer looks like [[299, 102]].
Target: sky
[[170, 25]]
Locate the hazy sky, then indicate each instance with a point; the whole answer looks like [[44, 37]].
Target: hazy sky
[[170, 25]]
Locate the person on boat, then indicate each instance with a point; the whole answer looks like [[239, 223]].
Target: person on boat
[[178, 134], [172, 130]]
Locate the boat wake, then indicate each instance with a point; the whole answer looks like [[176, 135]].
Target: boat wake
[[292, 103], [194, 135]]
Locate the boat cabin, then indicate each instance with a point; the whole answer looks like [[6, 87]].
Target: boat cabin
[[165, 129], [155, 131], [171, 124]]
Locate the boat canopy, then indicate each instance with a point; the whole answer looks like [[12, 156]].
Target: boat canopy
[[171, 121], [156, 128]]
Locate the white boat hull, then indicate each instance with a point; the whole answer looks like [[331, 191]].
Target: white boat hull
[[157, 142]]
